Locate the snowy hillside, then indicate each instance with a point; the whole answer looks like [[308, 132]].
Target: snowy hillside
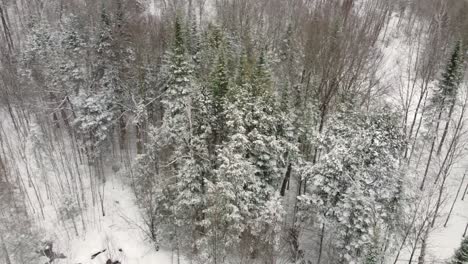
[[399, 75], [233, 132], [119, 233]]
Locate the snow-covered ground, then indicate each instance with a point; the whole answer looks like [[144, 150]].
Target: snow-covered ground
[[397, 74], [444, 240], [119, 229], [120, 232]]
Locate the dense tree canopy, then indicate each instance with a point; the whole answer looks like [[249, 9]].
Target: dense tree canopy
[[244, 131]]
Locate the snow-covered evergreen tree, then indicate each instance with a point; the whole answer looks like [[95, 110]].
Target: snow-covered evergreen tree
[[18, 238], [54, 63], [175, 149], [243, 153], [447, 90], [461, 255], [112, 62], [249, 167], [94, 121], [356, 184]]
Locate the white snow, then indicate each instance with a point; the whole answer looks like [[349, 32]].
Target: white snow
[[396, 73], [121, 227]]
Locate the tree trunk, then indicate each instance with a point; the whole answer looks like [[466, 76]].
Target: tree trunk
[[422, 255], [447, 124], [416, 240], [464, 192], [322, 235], [122, 132], [5, 250], [455, 200], [418, 106], [428, 162], [431, 151], [406, 235], [139, 137], [439, 199], [6, 30], [286, 179]]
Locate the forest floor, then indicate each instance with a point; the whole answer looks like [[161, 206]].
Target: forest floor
[[121, 229], [396, 76], [45, 165], [121, 233]]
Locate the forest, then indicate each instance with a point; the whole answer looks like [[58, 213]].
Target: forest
[[233, 131]]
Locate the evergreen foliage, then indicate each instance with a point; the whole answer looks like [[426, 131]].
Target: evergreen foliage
[[461, 255], [251, 135], [451, 78], [356, 183]]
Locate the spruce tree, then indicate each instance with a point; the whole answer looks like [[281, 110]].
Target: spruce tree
[[450, 83], [262, 76], [360, 154], [94, 122], [112, 62], [219, 85], [451, 78], [178, 152], [220, 79], [372, 256], [18, 238], [194, 40], [461, 255], [245, 70], [444, 99]]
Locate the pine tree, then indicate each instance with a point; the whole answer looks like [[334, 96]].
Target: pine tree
[[360, 155], [112, 61], [219, 84], [178, 153], [266, 133], [444, 99], [94, 120], [245, 70], [212, 40], [372, 256], [194, 44], [451, 78], [55, 56], [262, 77], [18, 239], [461, 255], [69, 68], [220, 79]]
